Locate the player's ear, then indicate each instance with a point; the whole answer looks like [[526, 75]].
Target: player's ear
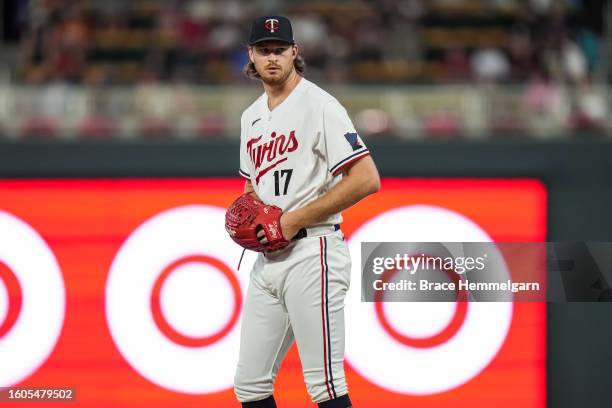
[[295, 51]]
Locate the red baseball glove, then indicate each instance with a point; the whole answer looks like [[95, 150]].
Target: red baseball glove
[[246, 216]]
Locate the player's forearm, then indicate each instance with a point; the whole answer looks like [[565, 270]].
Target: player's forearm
[[361, 180], [248, 188]]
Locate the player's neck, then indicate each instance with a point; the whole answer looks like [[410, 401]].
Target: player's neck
[[278, 93]]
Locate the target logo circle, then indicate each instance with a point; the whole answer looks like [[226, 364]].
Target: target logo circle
[[167, 328], [32, 300], [420, 348], [172, 302], [440, 337]]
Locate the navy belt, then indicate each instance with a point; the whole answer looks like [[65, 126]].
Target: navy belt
[[303, 233]]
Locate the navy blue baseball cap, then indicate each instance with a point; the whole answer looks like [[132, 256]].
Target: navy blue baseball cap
[[268, 28]]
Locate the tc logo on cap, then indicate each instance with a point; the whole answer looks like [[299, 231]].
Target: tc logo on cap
[[272, 24], [271, 28]]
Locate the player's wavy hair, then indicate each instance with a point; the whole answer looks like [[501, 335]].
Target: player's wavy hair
[[298, 63]]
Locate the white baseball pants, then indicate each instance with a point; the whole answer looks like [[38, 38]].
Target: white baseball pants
[[298, 294]]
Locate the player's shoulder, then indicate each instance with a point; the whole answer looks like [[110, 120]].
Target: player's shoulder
[[318, 95], [323, 100]]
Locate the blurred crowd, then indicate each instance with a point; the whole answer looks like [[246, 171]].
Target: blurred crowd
[[115, 68], [347, 41]]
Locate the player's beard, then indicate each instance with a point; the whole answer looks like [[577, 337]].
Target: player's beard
[[279, 77]]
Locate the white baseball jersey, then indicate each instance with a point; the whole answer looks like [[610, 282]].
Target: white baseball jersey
[[296, 152]]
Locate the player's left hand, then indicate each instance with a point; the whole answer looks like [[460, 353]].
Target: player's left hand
[[261, 237]]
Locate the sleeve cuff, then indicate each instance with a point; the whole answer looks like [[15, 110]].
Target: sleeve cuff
[[244, 174], [348, 160]]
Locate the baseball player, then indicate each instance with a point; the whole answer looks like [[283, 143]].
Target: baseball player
[[299, 152]]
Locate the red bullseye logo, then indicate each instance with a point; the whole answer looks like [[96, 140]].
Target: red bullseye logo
[[13, 299], [167, 328], [32, 300], [442, 336], [422, 348], [172, 302]]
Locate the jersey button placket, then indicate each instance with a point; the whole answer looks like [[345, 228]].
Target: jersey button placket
[[267, 133]]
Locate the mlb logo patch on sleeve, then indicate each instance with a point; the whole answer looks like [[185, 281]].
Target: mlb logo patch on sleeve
[[353, 140]]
